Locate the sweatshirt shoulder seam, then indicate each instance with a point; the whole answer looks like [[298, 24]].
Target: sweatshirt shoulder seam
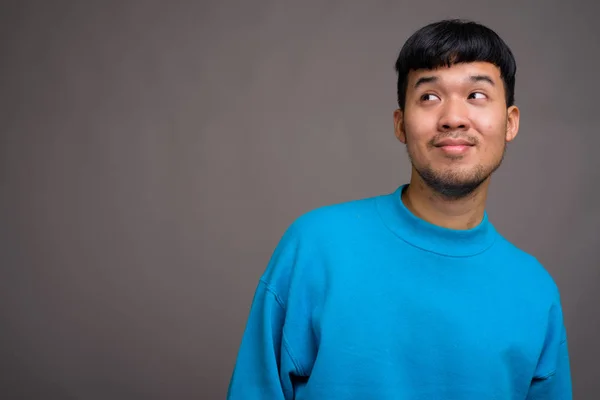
[[288, 349], [272, 291], [553, 372], [286, 343]]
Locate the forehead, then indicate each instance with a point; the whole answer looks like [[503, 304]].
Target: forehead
[[457, 73]]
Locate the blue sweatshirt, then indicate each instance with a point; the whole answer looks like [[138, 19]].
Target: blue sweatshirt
[[364, 300]]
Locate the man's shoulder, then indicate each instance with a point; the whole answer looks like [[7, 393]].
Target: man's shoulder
[[336, 216], [530, 270], [322, 230]]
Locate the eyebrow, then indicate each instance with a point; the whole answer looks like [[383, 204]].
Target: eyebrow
[[482, 78], [473, 78], [425, 79]]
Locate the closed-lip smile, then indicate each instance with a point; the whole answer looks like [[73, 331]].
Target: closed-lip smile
[[453, 142]]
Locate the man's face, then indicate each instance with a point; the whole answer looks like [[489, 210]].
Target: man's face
[[456, 125]]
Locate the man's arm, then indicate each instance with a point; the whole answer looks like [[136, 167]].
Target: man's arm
[[263, 365], [552, 380], [557, 384]]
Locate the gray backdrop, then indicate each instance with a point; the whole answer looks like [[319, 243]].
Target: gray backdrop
[[152, 153]]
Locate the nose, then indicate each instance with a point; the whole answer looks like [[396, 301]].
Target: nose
[[454, 116]]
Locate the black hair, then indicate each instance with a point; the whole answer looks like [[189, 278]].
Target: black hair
[[453, 41]]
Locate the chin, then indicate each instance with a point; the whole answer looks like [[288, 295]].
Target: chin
[[454, 183], [455, 189]]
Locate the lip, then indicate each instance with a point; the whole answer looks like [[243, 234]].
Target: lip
[[453, 142], [455, 150], [454, 146]]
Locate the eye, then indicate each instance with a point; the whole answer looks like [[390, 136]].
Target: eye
[[477, 95], [429, 97]]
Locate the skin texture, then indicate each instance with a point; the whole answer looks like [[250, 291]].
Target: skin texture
[[464, 102]]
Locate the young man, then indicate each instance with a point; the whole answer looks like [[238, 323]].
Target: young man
[[414, 294]]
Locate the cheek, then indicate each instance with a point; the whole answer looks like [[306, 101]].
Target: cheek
[[490, 123], [418, 131], [492, 129], [493, 145]]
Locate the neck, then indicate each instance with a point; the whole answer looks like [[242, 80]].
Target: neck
[[464, 213]]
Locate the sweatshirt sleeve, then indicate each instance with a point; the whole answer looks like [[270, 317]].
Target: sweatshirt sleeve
[[264, 365], [552, 380]]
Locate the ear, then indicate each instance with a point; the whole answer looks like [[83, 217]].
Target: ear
[[512, 123], [399, 125]]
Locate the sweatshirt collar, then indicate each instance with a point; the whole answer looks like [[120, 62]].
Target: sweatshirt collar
[[433, 238]]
